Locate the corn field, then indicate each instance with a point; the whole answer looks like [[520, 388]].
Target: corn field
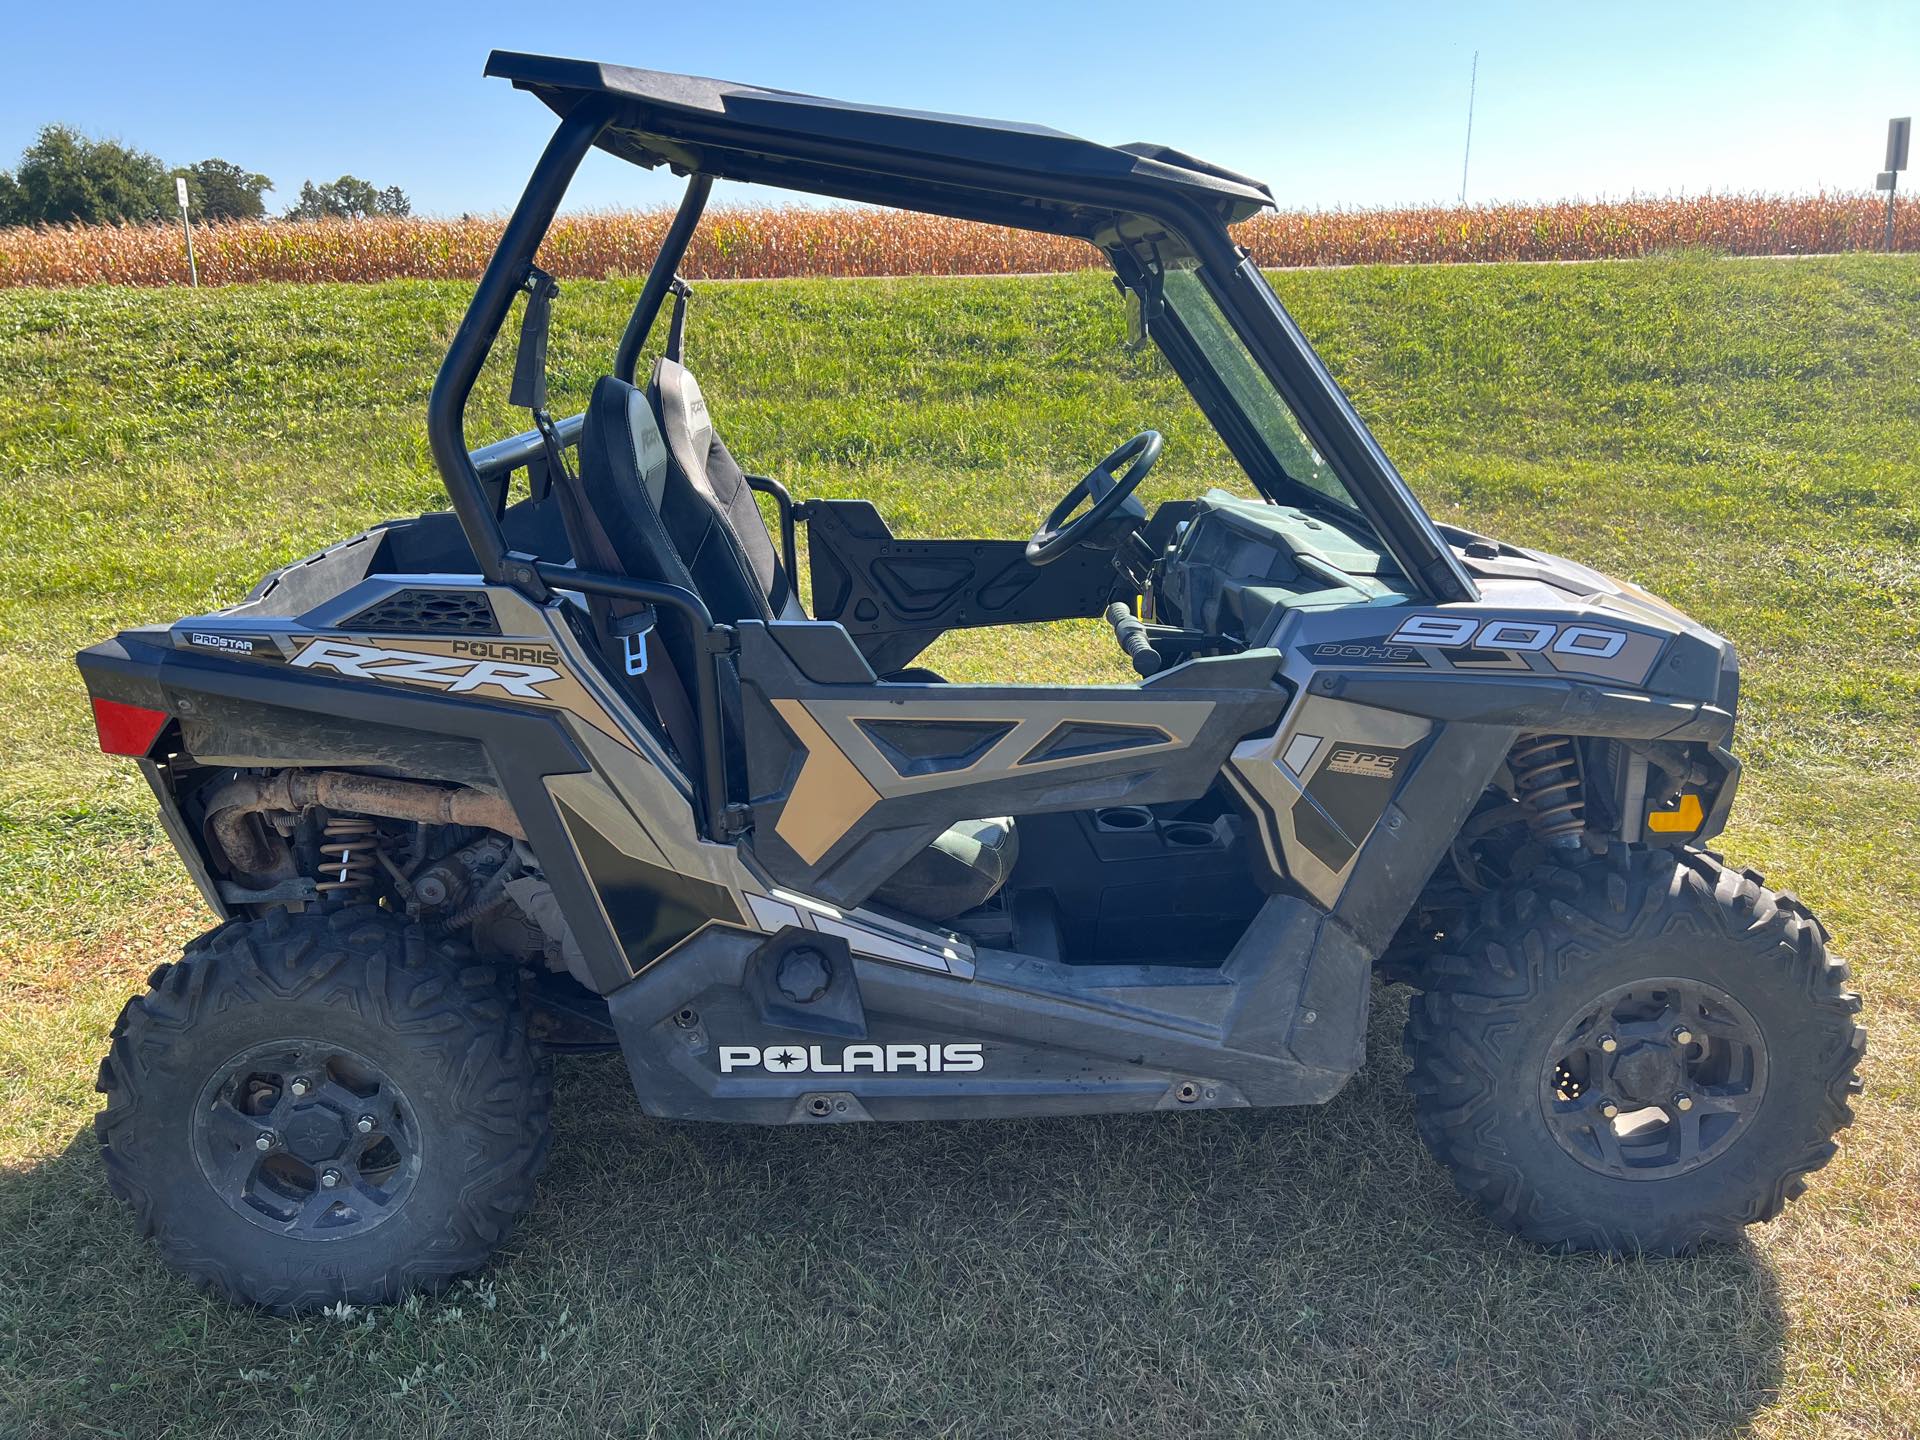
[[779, 242]]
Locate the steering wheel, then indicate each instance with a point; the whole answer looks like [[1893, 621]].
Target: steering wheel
[[1108, 492]]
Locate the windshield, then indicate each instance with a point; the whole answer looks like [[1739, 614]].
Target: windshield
[[1253, 393]]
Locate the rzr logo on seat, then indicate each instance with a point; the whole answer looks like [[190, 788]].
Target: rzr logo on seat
[[1453, 632], [455, 675], [880, 1059]]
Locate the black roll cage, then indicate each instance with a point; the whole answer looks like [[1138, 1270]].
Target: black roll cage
[[1146, 223]]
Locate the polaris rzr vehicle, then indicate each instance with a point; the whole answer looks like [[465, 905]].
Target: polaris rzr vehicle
[[572, 766]]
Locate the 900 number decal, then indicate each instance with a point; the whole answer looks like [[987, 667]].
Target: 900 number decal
[[1454, 632]]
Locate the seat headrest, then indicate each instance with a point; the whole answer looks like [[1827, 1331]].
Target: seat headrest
[[621, 432], [649, 447], [683, 417]]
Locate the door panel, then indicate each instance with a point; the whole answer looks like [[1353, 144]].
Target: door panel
[[896, 596], [849, 781]]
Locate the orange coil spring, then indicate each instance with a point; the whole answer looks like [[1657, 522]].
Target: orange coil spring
[[349, 856], [1546, 782]]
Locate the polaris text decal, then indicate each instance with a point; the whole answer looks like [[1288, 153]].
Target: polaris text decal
[[456, 674], [1453, 632], [853, 1059]]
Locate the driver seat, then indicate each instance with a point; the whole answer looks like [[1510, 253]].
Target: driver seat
[[662, 508]]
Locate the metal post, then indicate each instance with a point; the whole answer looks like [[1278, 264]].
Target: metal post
[[492, 298], [180, 189], [1898, 132], [1473, 85], [672, 248]]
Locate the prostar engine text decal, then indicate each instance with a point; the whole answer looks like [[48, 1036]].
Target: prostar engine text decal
[[456, 674], [210, 640], [852, 1059]]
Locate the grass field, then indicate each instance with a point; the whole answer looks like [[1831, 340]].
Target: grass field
[[1740, 437]]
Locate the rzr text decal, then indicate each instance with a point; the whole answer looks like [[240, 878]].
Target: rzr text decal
[[457, 675]]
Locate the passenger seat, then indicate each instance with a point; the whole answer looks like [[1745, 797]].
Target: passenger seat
[[710, 511], [688, 517]]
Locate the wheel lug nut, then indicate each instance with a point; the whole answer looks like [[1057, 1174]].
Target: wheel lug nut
[[364, 1124], [1683, 1102], [299, 1086], [263, 1141], [1682, 1035], [1608, 1044], [329, 1179], [1609, 1109]]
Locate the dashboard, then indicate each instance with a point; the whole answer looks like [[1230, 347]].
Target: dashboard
[[1235, 565]]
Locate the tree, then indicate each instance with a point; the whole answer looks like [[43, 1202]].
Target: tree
[[348, 198], [65, 177], [221, 190]]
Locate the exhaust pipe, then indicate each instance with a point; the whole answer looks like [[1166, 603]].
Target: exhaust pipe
[[232, 805]]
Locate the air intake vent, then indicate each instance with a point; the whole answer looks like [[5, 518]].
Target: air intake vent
[[428, 612], [1078, 739], [933, 747]]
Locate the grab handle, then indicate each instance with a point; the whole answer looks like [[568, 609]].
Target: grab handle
[[1135, 643]]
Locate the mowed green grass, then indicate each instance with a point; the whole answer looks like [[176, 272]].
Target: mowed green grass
[[1740, 437]]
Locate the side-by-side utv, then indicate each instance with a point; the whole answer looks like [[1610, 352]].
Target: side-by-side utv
[[572, 766]]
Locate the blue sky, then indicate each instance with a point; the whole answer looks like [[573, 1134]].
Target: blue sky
[[1331, 104]]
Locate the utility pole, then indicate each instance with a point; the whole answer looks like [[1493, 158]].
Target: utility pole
[[1473, 84], [180, 189], [1898, 133]]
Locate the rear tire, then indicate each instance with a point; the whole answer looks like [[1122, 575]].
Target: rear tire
[[344, 1051], [1516, 1059]]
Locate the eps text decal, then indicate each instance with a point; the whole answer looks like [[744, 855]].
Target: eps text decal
[[1373, 764]]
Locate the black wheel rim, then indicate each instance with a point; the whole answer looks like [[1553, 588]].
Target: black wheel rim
[[307, 1140], [1653, 1079]]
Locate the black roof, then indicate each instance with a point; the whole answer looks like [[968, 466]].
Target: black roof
[[994, 170]]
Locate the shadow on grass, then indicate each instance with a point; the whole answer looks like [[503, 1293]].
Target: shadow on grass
[[1254, 1273]]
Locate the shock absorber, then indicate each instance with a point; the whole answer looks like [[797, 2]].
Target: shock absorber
[[349, 858], [1546, 782]]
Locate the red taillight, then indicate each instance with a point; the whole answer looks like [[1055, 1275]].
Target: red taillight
[[127, 729]]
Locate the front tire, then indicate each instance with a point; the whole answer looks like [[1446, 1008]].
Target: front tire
[[324, 1107], [1636, 1053]]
